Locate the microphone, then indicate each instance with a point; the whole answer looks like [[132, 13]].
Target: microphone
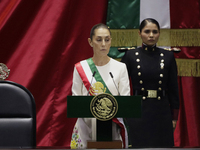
[[114, 82], [91, 81]]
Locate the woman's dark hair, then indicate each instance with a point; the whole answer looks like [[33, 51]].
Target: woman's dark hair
[[97, 26], [145, 21]]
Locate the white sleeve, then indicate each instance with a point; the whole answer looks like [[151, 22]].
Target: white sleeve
[[77, 83], [124, 86]]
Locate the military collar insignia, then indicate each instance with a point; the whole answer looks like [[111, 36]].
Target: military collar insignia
[[148, 48]]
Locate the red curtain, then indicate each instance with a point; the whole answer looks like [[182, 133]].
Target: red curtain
[[40, 41], [187, 133]]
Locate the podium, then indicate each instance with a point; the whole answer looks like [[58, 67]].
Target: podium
[[128, 107]]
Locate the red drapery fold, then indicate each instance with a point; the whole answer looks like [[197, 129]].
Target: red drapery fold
[[187, 132], [6, 9], [188, 53], [185, 14], [40, 41]]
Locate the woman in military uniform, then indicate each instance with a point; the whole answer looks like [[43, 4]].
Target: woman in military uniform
[[153, 74]]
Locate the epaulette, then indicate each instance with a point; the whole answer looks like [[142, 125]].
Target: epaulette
[[124, 49], [175, 50]]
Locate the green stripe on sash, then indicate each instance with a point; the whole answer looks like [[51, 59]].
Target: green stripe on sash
[[97, 75]]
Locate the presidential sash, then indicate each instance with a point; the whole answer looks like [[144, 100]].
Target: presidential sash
[[95, 85], [86, 68]]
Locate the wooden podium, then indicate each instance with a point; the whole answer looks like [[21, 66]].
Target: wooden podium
[[128, 107]]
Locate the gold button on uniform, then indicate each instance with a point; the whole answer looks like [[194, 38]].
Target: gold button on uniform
[[136, 53], [143, 97], [162, 65], [159, 98], [139, 73], [138, 60], [161, 75], [160, 82], [141, 81], [138, 66]]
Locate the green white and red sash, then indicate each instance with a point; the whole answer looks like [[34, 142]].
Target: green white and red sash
[[86, 69]]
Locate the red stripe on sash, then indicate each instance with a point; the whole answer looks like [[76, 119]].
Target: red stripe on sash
[[82, 74], [122, 132]]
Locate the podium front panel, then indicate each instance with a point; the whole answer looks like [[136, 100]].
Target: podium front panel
[[128, 106]]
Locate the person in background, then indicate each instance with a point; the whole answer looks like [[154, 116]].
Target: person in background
[[102, 65], [153, 73]]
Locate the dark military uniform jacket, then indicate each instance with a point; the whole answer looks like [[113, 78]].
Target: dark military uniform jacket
[[153, 74]]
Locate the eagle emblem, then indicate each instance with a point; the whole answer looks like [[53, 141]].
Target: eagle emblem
[[104, 107]]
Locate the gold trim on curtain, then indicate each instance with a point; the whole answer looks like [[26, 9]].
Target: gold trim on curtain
[[188, 67], [168, 37]]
